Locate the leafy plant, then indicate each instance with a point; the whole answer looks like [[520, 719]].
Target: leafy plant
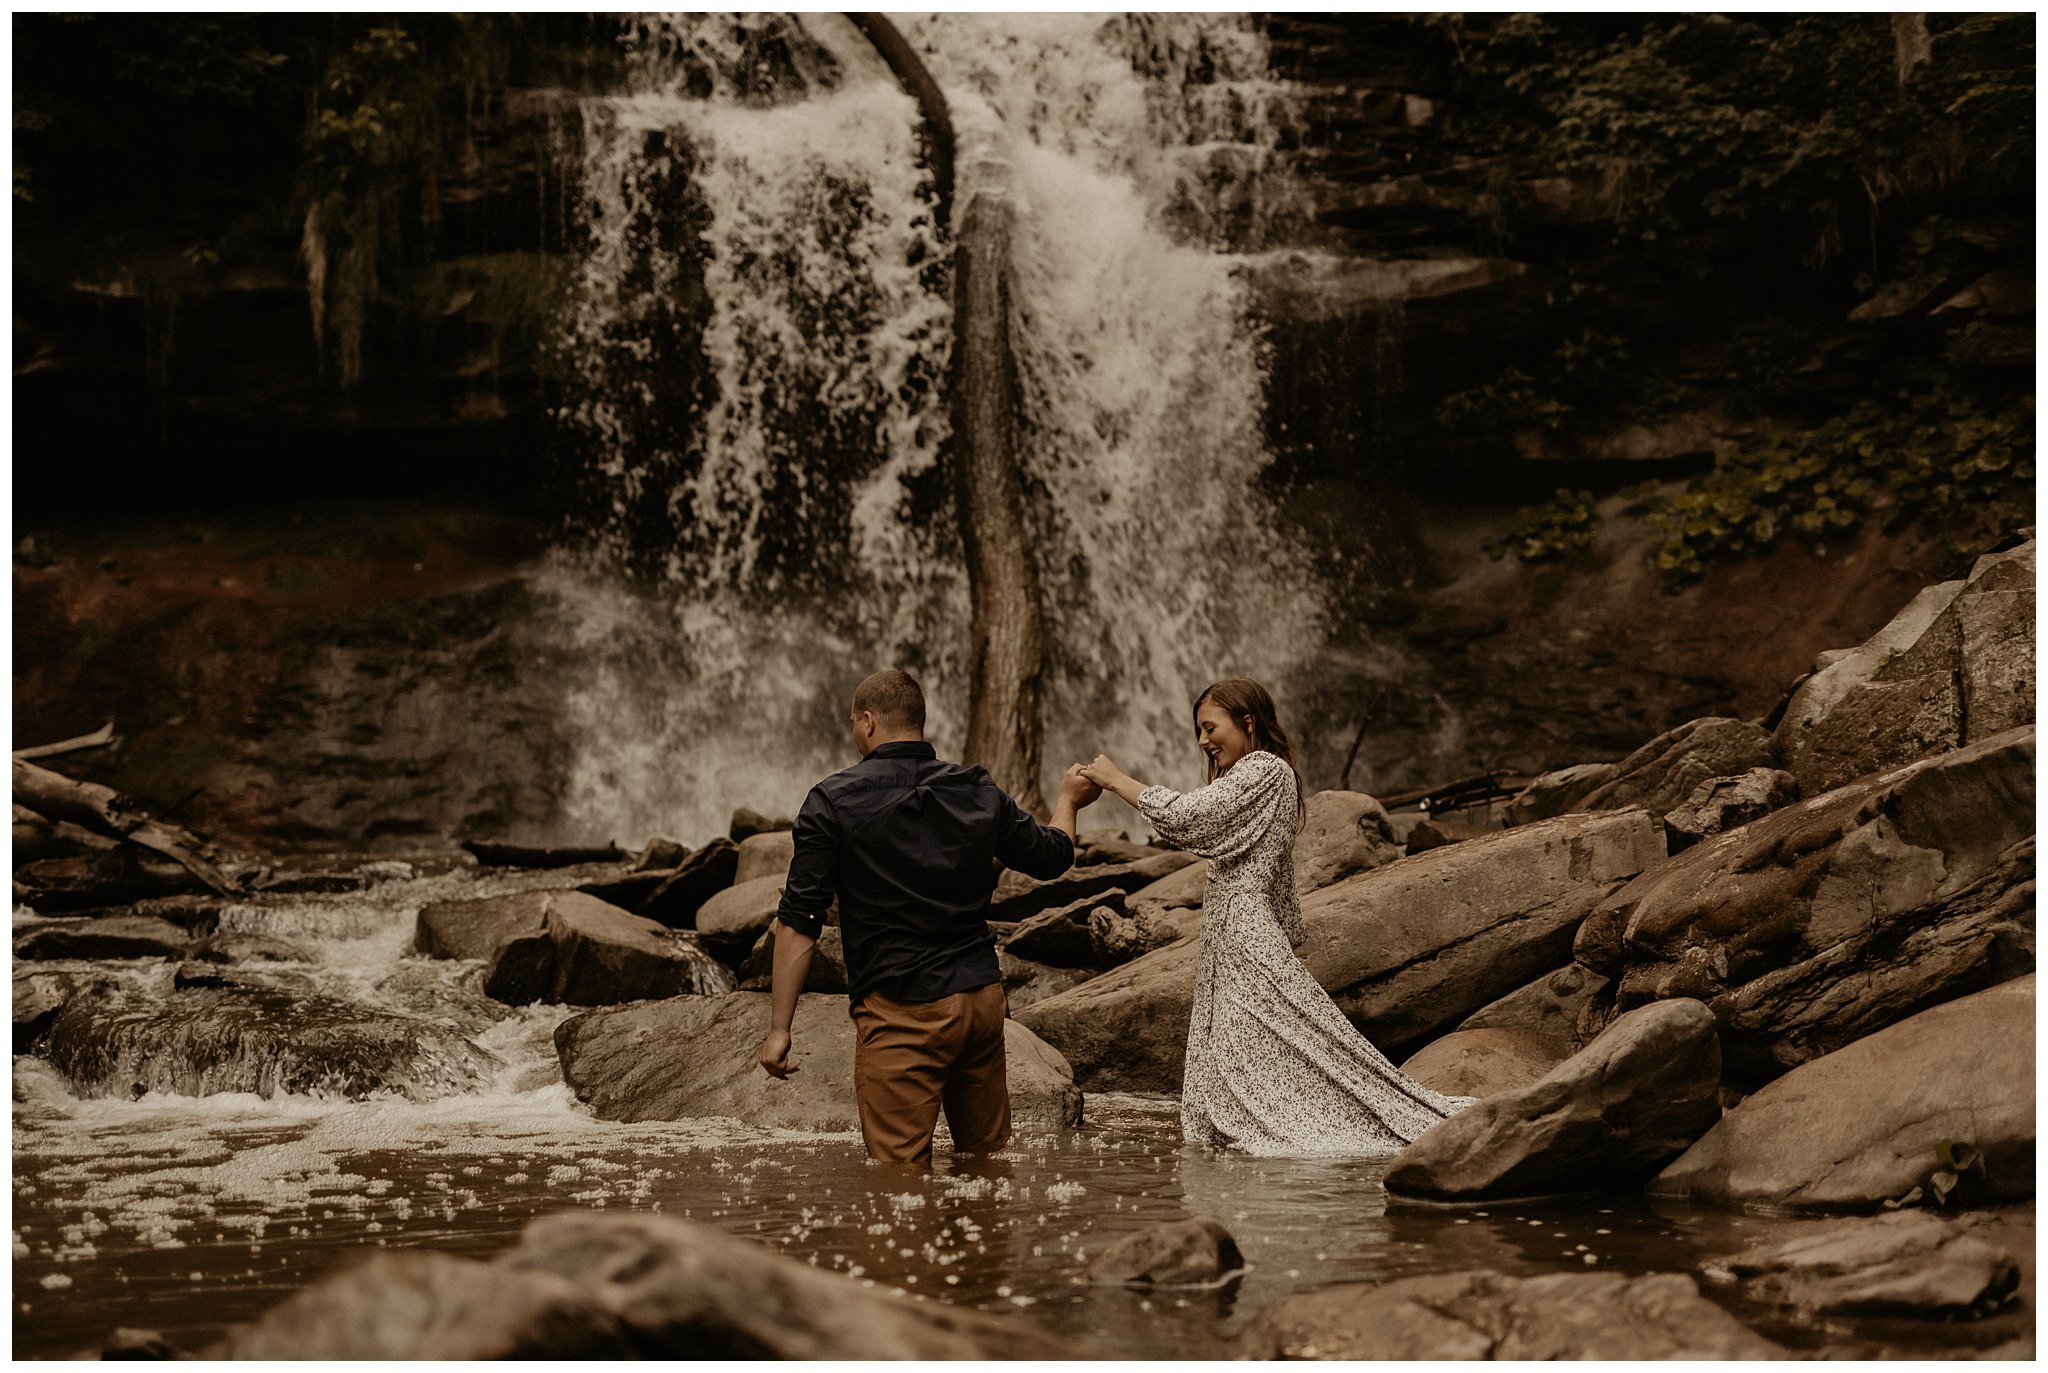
[[1955, 1161], [1562, 525]]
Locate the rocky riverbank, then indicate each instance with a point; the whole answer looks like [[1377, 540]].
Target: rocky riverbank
[[1780, 963]]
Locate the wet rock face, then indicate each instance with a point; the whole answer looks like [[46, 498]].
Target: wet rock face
[[1907, 1263], [1484, 1315], [1603, 1118], [693, 1057], [1847, 912], [39, 996], [1953, 668], [263, 1041], [433, 1306], [1856, 1127], [1198, 1252], [114, 936]]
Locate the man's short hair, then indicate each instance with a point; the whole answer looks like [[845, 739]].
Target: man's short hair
[[895, 698]]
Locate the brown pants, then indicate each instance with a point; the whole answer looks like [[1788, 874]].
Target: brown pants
[[912, 1057]]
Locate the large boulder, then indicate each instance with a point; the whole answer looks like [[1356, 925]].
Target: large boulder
[[1118, 936], [695, 880], [1553, 1006], [690, 1291], [768, 854], [264, 1041], [568, 947], [1835, 917], [733, 919], [1061, 936], [1720, 804], [1556, 792], [1344, 832], [433, 1306], [1018, 897], [1633, 1098], [113, 936], [693, 1057], [1485, 1062], [827, 972], [1663, 773], [1179, 890], [1484, 1315], [1955, 666], [1197, 1252], [1407, 949], [39, 996], [1859, 1126], [1907, 1263], [1026, 982]]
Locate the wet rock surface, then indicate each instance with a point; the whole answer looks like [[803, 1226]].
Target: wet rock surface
[[1906, 1263], [1633, 1098], [39, 996], [1857, 1127], [586, 953], [1197, 1252], [693, 1057], [113, 936], [1828, 920], [1483, 1315]]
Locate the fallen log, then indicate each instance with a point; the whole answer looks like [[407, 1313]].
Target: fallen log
[[99, 738], [106, 811], [493, 854]]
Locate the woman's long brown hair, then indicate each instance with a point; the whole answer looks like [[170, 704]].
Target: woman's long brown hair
[[1243, 698]]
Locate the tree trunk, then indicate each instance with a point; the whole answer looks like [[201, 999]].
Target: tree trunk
[[1004, 730]]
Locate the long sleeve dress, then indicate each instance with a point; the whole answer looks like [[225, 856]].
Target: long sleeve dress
[[1273, 1067]]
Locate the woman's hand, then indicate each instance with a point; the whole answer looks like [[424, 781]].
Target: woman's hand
[[1104, 773]]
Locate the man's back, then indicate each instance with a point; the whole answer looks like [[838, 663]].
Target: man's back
[[909, 847]]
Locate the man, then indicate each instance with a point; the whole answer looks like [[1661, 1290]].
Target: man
[[909, 846]]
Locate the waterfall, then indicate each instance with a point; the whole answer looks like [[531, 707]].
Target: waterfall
[[758, 346]]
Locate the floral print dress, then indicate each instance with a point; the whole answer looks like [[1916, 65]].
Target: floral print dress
[[1273, 1067]]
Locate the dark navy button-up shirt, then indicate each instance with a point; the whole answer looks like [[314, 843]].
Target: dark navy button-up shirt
[[909, 845]]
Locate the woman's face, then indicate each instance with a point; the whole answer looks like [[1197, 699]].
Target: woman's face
[[1225, 740]]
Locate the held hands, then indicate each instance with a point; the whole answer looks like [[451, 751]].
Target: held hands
[[774, 1055], [1103, 772], [1077, 788]]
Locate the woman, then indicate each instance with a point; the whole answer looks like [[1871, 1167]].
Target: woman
[[1273, 1067]]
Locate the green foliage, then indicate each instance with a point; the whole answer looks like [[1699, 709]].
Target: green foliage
[[1588, 371], [1938, 457], [1955, 1161], [1563, 525]]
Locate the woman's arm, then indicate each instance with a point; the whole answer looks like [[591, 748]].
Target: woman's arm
[[1106, 774]]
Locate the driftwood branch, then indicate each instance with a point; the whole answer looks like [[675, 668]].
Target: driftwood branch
[[99, 738], [106, 811]]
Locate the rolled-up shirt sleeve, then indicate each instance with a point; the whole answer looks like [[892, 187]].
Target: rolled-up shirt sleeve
[[813, 867], [1031, 848]]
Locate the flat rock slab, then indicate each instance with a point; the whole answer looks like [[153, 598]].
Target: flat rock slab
[[1907, 1263], [1835, 917], [1485, 1315], [263, 1041], [684, 1290], [1859, 1126], [1485, 1062], [1197, 1252], [693, 1057], [112, 936], [404, 1305], [1603, 1118]]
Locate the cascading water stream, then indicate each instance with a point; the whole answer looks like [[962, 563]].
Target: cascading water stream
[[759, 337]]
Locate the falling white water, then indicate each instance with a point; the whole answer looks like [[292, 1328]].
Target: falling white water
[[767, 177]]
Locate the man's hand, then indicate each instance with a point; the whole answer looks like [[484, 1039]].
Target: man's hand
[[774, 1055], [1079, 789], [1103, 772]]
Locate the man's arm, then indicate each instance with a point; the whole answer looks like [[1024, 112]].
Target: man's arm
[[806, 895], [1043, 851]]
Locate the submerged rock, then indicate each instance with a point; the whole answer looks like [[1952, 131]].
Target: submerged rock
[[1837, 916], [1484, 1315], [1485, 1062], [113, 936], [241, 948], [1198, 1252], [693, 1057], [1856, 1127], [1908, 1263], [200, 1043], [684, 1290], [1603, 1118], [433, 1306]]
